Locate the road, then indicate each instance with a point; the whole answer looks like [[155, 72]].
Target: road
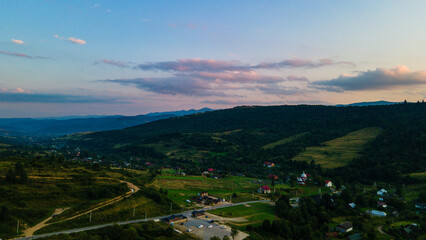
[[186, 213], [132, 189]]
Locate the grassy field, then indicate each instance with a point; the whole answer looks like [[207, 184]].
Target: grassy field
[[182, 188], [120, 211], [340, 151], [284, 141], [254, 213], [52, 186]]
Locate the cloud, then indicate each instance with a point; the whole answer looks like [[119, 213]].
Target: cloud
[[282, 90], [71, 39], [296, 78], [196, 64], [381, 78], [171, 86], [191, 65], [18, 42], [21, 96], [21, 55], [111, 62], [76, 41]]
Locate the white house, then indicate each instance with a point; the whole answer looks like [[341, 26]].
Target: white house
[[328, 183], [382, 192]]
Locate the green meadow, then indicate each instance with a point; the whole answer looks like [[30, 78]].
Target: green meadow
[[340, 151]]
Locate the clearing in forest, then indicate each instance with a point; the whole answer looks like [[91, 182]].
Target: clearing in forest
[[340, 151]]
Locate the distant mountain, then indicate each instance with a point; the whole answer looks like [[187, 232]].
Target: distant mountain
[[363, 104], [74, 124], [182, 112]]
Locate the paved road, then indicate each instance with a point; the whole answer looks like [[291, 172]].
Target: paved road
[[187, 213]]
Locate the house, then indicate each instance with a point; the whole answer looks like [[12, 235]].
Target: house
[[328, 183], [205, 173], [273, 176], [381, 204], [382, 192], [344, 227], [148, 163], [204, 194], [269, 164], [302, 179], [196, 214], [174, 218], [264, 189], [376, 213], [352, 205], [210, 169]]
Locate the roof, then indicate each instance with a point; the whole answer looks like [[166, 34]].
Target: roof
[[353, 205], [327, 181], [265, 188], [345, 225], [210, 169]]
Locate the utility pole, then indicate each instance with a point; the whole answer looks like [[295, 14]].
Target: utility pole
[[145, 215], [230, 199], [90, 218], [171, 207], [134, 211], [17, 228]]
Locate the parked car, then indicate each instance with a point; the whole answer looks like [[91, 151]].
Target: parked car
[[200, 226], [209, 226]]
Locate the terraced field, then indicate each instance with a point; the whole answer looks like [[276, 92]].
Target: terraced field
[[340, 151]]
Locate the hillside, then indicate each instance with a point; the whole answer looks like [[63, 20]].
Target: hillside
[[239, 136]]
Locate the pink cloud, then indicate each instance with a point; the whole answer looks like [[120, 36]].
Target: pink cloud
[[76, 41]]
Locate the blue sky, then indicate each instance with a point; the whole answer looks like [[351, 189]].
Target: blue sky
[[132, 57]]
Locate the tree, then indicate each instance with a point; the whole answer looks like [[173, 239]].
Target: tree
[[20, 171], [215, 238], [225, 237], [234, 232], [10, 176]]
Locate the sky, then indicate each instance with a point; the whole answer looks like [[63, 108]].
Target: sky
[[62, 58]]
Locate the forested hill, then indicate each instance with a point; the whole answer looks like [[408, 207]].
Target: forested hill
[[239, 134]]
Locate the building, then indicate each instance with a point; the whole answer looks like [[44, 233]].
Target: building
[[204, 194], [344, 227], [328, 183], [382, 192], [376, 213], [205, 173], [264, 189], [269, 164], [196, 214], [381, 204], [352, 205], [174, 218], [273, 176], [302, 179]]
